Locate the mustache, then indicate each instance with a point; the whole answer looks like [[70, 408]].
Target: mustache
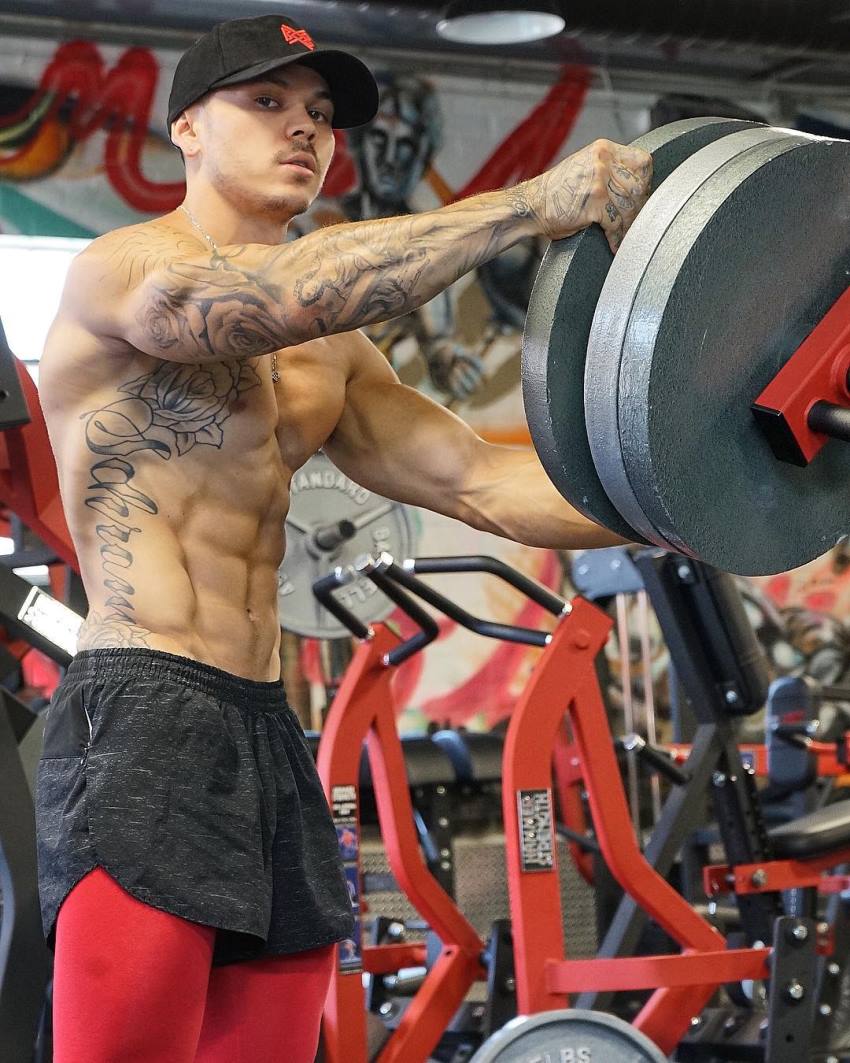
[[306, 149]]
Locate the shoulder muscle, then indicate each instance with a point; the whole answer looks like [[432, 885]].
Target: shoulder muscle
[[103, 279]]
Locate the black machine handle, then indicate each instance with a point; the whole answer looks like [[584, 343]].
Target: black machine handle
[[390, 577], [478, 563], [323, 589], [380, 572], [384, 573], [655, 758], [488, 628]]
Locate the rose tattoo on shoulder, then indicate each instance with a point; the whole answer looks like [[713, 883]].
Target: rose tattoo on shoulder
[[221, 309]]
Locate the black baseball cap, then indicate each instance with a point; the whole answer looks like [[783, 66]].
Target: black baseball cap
[[245, 48]]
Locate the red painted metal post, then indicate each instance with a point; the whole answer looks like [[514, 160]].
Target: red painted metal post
[[533, 883], [29, 483], [364, 684], [363, 709]]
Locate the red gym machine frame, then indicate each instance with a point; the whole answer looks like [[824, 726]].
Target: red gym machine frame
[[364, 710], [29, 484], [563, 684], [832, 760], [565, 680]]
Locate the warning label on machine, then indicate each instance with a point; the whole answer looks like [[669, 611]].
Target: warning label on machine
[[344, 808], [536, 841]]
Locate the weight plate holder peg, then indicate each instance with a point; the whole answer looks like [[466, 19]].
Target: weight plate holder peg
[[558, 322], [572, 1035], [331, 521]]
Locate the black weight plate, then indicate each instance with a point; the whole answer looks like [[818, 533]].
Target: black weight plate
[[557, 326], [612, 316], [572, 1034], [746, 271]]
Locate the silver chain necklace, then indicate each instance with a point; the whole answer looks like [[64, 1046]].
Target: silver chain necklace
[[214, 246]]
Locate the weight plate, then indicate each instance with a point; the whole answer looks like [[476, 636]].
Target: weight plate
[[332, 521], [568, 1036], [558, 322], [610, 321], [751, 264]]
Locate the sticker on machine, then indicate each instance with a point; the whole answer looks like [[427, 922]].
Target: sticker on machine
[[344, 803], [352, 880], [349, 843], [536, 838], [350, 952]]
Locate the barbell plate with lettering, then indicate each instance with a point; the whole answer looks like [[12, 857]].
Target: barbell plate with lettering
[[571, 1034], [558, 324], [613, 310], [749, 267], [331, 521]]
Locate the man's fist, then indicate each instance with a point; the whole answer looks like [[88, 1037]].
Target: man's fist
[[605, 183]]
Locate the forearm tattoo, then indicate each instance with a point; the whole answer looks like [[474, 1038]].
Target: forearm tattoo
[[163, 415], [249, 300]]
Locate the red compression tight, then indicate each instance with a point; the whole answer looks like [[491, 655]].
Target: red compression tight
[[133, 984]]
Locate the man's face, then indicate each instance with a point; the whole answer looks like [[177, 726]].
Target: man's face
[[268, 142]]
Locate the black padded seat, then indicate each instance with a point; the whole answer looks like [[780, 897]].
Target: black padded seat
[[816, 834], [426, 764]]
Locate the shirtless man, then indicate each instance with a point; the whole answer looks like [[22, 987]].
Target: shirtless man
[[196, 362]]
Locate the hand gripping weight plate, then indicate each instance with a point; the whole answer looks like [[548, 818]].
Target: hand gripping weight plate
[[558, 324]]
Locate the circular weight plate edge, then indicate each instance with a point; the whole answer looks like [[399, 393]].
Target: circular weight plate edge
[[326, 627], [614, 308], [579, 484], [514, 1029]]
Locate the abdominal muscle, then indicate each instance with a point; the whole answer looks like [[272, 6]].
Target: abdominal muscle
[[203, 571], [175, 485], [187, 618]]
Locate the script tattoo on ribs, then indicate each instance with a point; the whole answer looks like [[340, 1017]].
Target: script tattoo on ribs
[[166, 413]]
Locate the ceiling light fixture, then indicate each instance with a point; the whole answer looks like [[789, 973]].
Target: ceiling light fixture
[[500, 21]]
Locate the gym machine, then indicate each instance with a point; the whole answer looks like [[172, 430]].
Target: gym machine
[[564, 680], [24, 959], [363, 709], [694, 621], [31, 617], [41, 622]]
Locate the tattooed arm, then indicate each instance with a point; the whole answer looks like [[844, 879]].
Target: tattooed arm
[[249, 300]]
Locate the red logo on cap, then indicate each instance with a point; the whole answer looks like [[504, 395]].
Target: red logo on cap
[[292, 36]]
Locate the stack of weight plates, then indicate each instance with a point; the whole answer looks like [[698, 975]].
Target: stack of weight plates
[[639, 371]]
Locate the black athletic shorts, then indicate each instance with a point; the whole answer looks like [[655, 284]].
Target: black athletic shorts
[[195, 790]]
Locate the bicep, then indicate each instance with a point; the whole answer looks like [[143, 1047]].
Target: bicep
[[399, 443]]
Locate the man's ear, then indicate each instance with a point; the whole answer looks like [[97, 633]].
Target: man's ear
[[184, 134]]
